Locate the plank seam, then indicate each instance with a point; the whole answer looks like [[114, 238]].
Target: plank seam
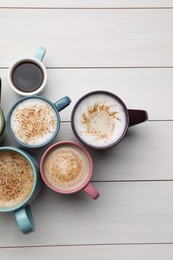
[[118, 67], [88, 245], [87, 8]]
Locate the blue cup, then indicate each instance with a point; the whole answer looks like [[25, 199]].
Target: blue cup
[[22, 211], [34, 119]]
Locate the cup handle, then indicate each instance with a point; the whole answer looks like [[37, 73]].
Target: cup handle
[[24, 219], [39, 55], [91, 191], [137, 116], [62, 103]]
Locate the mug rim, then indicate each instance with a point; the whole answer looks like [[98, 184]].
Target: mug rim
[[9, 124], [22, 60], [46, 153], [108, 94], [27, 157], [2, 120]]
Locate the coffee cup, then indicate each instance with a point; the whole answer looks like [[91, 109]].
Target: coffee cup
[[20, 184], [2, 121], [100, 119], [66, 167], [34, 121], [28, 76]]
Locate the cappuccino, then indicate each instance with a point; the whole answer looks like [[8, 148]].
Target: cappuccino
[[16, 179], [33, 121], [67, 167], [99, 120]]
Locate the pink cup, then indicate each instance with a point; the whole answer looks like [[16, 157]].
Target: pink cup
[[86, 185]]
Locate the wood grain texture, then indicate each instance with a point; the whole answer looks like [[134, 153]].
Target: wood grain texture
[[139, 88], [144, 154], [126, 212], [103, 252], [120, 46], [89, 38], [86, 3]]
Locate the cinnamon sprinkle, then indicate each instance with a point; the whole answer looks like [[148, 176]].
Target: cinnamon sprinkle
[[34, 121], [99, 120]]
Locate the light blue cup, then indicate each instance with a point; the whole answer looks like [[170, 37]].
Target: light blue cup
[[57, 107], [22, 211], [37, 60]]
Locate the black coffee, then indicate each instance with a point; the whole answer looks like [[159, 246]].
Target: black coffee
[[27, 77]]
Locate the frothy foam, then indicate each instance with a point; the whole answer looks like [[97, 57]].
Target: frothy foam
[[67, 167], [16, 179], [100, 120], [33, 121]]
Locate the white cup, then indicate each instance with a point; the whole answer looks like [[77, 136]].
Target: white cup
[[28, 76]]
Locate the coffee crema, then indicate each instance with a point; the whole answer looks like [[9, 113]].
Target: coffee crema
[[99, 120], [27, 76], [16, 179], [67, 167], [33, 121]]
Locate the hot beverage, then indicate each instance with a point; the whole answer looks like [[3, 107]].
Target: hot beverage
[[99, 119], [33, 121], [66, 167], [16, 179], [27, 76]]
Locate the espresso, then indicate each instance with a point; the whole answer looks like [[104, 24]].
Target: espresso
[[33, 121], [27, 76], [99, 120], [67, 167], [16, 179]]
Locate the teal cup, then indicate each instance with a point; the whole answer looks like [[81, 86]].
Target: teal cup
[[20, 184], [34, 121], [2, 121]]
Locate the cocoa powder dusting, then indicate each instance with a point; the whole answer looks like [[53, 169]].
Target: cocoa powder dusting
[[34, 121], [99, 120], [16, 178]]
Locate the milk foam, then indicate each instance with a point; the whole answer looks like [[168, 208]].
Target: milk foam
[[100, 120], [67, 167], [33, 121], [16, 179]]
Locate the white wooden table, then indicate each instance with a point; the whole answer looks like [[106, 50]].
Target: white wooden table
[[121, 46]]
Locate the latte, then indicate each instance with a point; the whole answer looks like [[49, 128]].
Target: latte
[[33, 121], [67, 167], [16, 179], [99, 119]]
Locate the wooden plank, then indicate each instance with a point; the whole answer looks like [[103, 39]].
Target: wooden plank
[[106, 252], [144, 154], [138, 88], [89, 38], [126, 212], [86, 4]]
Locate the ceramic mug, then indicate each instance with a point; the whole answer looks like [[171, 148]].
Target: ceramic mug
[[100, 119], [28, 76], [66, 167], [35, 121], [20, 184], [2, 121]]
